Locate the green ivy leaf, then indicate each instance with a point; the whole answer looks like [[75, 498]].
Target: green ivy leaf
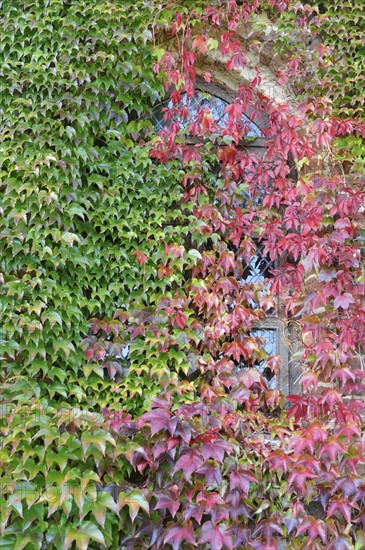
[[134, 500], [82, 534]]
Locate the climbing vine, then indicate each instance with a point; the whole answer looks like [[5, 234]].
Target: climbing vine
[[134, 411], [325, 44]]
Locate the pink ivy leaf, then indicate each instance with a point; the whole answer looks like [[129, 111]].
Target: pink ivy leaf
[[279, 460], [178, 534], [180, 319], [314, 527], [169, 499], [299, 476], [250, 377], [332, 448], [241, 480], [349, 484], [189, 462], [159, 419], [217, 535], [331, 397], [140, 257], [343, 300], [209, 499], [212, 472], [340, 506]]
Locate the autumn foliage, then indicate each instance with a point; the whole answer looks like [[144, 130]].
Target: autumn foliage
[[199, 450]]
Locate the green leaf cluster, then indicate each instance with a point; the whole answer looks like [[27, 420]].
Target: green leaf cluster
[[329, 40], [343, 71], [79, 195]]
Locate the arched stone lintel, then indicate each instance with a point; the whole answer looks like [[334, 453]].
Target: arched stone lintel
[[214, 63]]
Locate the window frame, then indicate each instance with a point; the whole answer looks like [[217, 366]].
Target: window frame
[[282, 349]]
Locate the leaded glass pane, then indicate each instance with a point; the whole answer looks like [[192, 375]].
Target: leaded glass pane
[[258, 269], [197, 103], [268, 338]]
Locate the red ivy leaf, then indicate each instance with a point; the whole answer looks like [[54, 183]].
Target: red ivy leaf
[[140, 257], [300, 443], [331, 397], [215, 449], [177, 534], [316, 432], [189, 462], [200, 43], [350, 429], [344, 374], [180, 319], [237, 61], [227, 261], [332, 448], [298, 409], [234, 111], [309, 378], [234, 350]]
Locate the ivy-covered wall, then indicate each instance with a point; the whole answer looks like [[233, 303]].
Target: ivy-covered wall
[[79, 196], [342, 29], [95, 232], [326, 41], [343, 71]]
